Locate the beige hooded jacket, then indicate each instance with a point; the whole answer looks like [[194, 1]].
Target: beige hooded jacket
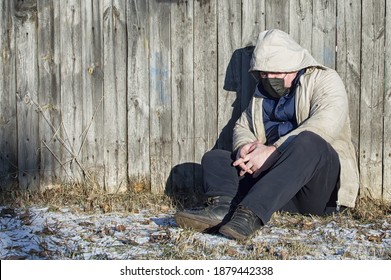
[[321, 106]]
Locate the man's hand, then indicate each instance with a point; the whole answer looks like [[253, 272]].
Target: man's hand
[[252, 156]]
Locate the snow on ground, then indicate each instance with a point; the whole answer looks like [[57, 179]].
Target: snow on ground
[[39, 233]]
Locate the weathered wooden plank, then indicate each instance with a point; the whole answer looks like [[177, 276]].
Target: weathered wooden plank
[[229, 39], [139, 171], [71, 89], [92, 153], [182, 73], [205, 76], [277, 14], [115, 136], [300, 22], [8, 135], [253, 21], [27, 94], [248, 82], [160, 94], [57, 148], [372, 93], [48, 96], [387, 111], [348, 58], [324, 32]]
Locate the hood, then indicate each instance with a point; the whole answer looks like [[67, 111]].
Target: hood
[[276, 51]]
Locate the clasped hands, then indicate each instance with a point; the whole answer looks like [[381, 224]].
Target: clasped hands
[[251, 157]]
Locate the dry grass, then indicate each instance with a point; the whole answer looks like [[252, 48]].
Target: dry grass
[[187, 244], [88, 199], [369, 210]]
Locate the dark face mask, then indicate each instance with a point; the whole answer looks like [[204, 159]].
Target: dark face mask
[[274, 87]]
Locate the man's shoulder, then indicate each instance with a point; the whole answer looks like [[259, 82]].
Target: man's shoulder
[[321, 74], [322, 71]]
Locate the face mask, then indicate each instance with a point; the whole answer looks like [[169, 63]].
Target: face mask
[[274, 87]]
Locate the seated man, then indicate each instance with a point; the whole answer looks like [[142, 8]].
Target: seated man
[[292, 148]]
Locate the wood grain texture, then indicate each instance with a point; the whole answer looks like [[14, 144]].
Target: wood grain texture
[[301, 22], [27, 94], [160, 94], [372, 97], [8, 121], [71, 88], [229, 39], [348, 59], [253, 21], [115, 121], [139, 171], [91, 150], [277, 14], [205, 77], [386, 195], [48, 95], [324, 32], [182, 73]]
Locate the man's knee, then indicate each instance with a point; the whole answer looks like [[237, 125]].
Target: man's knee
[[312, 143], [215, 157], [310, 139], [309, 135]]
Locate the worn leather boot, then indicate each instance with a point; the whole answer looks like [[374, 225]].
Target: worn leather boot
[[244, 224], [205, 219]]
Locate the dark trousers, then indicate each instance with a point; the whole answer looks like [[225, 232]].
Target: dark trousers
[[303, 178]]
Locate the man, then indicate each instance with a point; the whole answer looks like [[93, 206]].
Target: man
[[291, 147]]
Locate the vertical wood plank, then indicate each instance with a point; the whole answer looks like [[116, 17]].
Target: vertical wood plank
[[372, 92], [229, 39], [253, 21], [205, 79], [115, 136], [205, 76], [182, 174], [92, 153], [8, 135], [71, 90], [277, 14], [324, 32], [349, 57], [387, 111], [27, 94], [301, 22], [160, 94], [49, 96], [57, 149], [139, 171]]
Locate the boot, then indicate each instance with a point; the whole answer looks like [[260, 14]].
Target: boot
[[244, 224], [211, 216]]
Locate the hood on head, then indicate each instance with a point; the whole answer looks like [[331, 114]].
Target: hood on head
[[276, 51]]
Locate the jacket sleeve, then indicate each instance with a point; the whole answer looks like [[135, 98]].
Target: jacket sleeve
[[243, 132], [328, 109]]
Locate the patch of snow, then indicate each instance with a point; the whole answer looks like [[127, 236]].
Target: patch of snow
[[38, 233]]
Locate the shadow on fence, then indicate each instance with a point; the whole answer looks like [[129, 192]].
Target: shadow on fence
[[184, 184], [239, 80]]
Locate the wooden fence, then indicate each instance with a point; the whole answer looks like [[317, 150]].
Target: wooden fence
[[132, 93]]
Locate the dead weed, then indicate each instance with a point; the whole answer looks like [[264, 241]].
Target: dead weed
[[88, 199]]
